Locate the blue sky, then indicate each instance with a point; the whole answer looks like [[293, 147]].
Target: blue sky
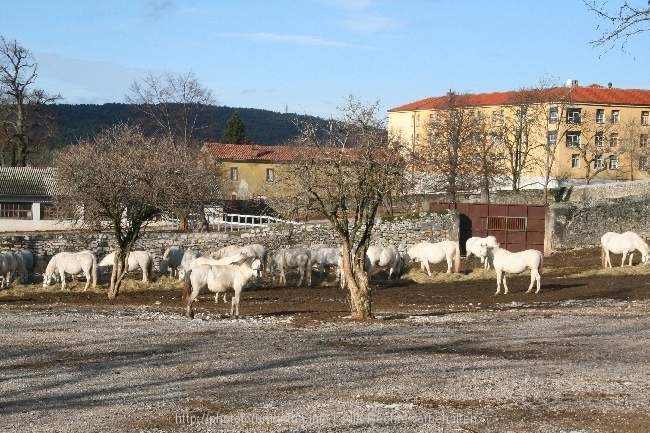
[[309, 55]]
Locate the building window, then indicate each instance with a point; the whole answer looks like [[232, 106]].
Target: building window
[[573, 115], [616, 116], [645, 115], [234, 173], [573, 138], [552, 115], [600, 115], [613, 162], [575, 161], [598, 163], [552, 138], [270, 175], [643, 140], [599, 139], [643, 163], [16, 211], [613, 139]]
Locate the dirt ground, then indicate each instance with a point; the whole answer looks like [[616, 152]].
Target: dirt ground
[[444, 356], [562, 280]]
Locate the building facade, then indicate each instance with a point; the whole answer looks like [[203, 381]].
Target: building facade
[[597, 133], [251, 171], [26, 200]]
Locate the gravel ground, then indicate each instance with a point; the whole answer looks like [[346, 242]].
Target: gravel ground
[[565, 366]]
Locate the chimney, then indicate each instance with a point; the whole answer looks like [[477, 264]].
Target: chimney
[[609, 85]]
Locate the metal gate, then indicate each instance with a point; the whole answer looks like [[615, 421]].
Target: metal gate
[[516, 227]]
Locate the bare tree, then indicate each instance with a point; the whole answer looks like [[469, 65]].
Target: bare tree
[[624, 21], [343, 173], [445, 155], [23, 118], [634, 146], [591, 137], [172, 104], [121, 180], [486, 156]]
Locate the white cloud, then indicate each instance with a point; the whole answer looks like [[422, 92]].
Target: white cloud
[[295, 39]]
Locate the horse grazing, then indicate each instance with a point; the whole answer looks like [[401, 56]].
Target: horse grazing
[[137, 259], [200, 261], [188, 257], [622, 243], [473, 246], [257, 251], [323, 256], [27, 258], [296, 257], [506, 262], [384, 257], [219, 279], [73, 264], [171, 260], [427, 252], [9, 267]]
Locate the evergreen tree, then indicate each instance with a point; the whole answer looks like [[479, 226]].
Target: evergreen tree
[[235, 132]]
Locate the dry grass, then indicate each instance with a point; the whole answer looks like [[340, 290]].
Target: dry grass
[[129, 285], [420, 277], [616, 271]]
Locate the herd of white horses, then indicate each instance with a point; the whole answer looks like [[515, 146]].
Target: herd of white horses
[[231, 267]]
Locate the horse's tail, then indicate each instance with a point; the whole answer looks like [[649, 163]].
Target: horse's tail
[[541, 263], [457, 258], [93, 270], [603, 256], [150, 267], [187, 286]]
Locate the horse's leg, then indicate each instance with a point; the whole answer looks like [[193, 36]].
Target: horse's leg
[[450, 260], [631, 257], [538, 277], [188, 308], [499, 275], [234, 305], [426, 266], [505, 284], [623, 259], [225, 297], [301, 272], [533, 278], [62, 275], [216, 298], [87, 275]]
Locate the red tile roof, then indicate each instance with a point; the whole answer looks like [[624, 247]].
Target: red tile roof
[[251, 152], [593, 94]]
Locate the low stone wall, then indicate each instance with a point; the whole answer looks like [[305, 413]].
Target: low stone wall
[[401, 232], [607, 191], [576, 225]]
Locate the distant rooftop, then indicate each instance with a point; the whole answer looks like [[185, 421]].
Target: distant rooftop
[[27, 181], [593, 94], [251, 152]]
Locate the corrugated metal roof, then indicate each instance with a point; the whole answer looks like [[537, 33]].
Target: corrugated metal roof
[[27, 181]]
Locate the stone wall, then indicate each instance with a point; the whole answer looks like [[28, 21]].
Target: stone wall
[[401, 232], [607, 191], [581, 224]]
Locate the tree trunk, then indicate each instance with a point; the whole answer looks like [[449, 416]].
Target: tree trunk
[[357, 282], [120, 268], [485, 189]]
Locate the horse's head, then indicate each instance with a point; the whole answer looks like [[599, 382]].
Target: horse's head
[[163, 267], [48, 279], [484, 249], [181, 273]]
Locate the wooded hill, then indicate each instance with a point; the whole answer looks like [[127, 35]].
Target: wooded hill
[[74, 122]]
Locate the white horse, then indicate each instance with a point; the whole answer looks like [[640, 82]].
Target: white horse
[[219, 279], [257, 251], [27, 258], [188, 257], [473, 246], [201, 261], [171, 260], [384, 257], [323, 256], [8, 268], [506, 262], [427, 252], [73, 264], [137, 259], [622, 243], [296, 257]]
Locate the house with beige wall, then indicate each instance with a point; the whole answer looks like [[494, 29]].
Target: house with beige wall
[[251, 171], [604, 116]]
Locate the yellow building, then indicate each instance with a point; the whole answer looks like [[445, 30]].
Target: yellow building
[[614, 122], [251, 171]]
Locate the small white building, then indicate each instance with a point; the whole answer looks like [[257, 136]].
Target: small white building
[[26, 200]]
